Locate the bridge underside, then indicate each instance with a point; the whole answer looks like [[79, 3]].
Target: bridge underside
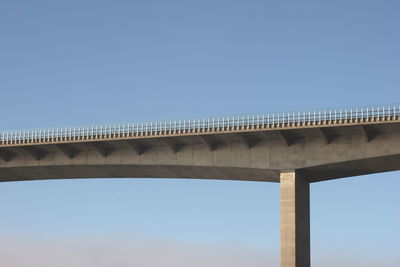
[[138, 171], [312, 174], [351, 168]]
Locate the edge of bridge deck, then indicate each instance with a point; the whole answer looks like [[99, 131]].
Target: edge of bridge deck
[[203, 127]]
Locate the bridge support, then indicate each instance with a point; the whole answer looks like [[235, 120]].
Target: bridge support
[[295, 220]]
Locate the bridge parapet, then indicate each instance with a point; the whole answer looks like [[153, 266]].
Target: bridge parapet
[[232, 124]]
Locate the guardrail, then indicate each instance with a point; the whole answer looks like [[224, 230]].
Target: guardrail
[[232, 123]]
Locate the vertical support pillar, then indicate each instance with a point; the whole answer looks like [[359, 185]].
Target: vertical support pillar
[[295, 220]]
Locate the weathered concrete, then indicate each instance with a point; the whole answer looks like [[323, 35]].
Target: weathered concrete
[[295, 220]]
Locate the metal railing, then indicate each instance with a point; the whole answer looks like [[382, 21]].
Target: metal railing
[[209, 125]]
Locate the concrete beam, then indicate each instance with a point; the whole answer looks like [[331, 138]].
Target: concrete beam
[[368, 136], [173, 145], [246, 141], [295, 220], [325, 135], [205, 140], [101, 148], [136, 146], [6, 154], [34, 152], [67, 150], [285, 139]]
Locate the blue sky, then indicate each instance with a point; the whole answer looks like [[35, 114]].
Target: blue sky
[[72, 63]]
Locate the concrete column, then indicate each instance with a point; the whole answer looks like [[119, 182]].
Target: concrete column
[[295, 220]]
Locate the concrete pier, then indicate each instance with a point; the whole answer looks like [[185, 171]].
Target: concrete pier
[[295, 220]]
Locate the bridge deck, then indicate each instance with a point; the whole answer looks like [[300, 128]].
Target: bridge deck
[[235, 124], [321, 145]]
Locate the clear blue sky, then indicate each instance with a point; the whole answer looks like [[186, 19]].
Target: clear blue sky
[[72, 63]]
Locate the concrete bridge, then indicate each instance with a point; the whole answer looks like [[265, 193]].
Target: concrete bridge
[[294, 149]]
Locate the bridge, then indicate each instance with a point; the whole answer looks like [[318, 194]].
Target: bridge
[[295, 149]]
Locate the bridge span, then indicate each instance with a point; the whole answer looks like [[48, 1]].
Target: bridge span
[[294, 149]]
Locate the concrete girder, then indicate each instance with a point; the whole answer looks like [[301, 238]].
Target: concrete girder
[[366, 132], [136, 146], [136, 171], [208, 142], [101, 148], [67, 150], [285, 139], [246, 140], [174, 146], [35, 152], [324, 133], [6, 154]]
